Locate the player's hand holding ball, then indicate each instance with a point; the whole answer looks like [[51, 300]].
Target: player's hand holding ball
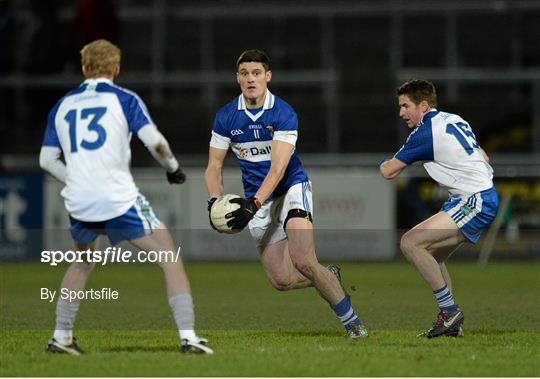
[[239, 218], [209, 207], [176, 177], [218, 209]]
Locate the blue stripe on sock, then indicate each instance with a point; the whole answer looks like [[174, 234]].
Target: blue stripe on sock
[[344, 307], [445, 299]]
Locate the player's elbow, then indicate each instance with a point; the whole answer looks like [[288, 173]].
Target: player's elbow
[[387, 174], [44, 160]]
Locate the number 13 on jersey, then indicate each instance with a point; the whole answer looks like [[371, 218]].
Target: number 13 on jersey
[[72, 118]]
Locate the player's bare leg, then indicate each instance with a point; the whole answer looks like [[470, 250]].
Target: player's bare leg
[[279, 268], [441, 255], [74, 279], [78, 273], [438, 232], [302, 253], [426, 246], [175, 276], [178, 290]]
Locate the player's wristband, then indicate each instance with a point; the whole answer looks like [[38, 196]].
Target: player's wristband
[[257, 203]]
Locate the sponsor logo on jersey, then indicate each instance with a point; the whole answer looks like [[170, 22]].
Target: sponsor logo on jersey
[[253, 151], [260, 151]]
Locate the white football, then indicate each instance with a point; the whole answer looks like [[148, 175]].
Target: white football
[[219, 209]]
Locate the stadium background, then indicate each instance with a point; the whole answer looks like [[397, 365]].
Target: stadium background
[[337, 63]]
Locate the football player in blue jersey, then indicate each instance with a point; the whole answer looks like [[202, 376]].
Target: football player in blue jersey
[[261, 129], [92, 127], [447, 146]]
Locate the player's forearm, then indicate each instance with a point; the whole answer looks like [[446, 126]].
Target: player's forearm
[[391, 168], [158, 146], [49, 160], [270, 183], [214, 181]]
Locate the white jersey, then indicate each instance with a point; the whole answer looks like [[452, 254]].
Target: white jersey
[[451, 155], [93, 125]]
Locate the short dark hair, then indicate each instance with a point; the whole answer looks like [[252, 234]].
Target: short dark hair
[[254, 56], [418, 91]]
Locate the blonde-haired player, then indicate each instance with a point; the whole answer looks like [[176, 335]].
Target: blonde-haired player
[[92, 126]]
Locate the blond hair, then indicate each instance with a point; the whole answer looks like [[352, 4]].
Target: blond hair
[[100, 58]]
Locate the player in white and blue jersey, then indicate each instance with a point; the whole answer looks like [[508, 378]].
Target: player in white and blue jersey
[[261, 129], [447, 146], [92, 127]]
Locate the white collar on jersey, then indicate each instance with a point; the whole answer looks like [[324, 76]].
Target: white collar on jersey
[[268, 104], [97, 80]]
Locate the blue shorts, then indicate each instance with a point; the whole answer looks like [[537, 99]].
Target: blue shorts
[[473, 214], [138, 221]]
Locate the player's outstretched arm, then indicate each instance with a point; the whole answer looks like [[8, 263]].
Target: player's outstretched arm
[[158, 146], [49, 160], [391, 168]]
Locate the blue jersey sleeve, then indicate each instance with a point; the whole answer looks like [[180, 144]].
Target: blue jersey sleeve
[[287, 121], [219, 126], [136, 113], [134, 109], [419, 146], [51, 137]]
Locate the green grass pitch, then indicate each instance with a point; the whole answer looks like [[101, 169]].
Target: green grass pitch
[[257, 331]]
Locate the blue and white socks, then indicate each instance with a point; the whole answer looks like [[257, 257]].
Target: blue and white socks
[[445, 299], [345, 313]]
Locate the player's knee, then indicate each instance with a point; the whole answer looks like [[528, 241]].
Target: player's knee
[[297, 213], [406, 245], [305, 267], [281, 283]]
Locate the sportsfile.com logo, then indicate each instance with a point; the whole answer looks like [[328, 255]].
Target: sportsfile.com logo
[[109, 255]]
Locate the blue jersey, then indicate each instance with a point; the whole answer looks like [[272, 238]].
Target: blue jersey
[[250, 133]]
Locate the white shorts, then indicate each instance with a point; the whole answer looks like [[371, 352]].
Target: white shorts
[[267, 227]]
